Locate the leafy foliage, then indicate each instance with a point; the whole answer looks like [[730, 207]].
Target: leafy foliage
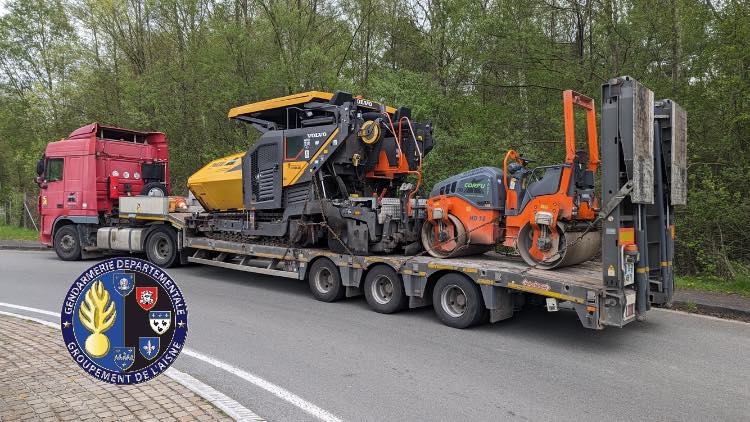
[[487, 73]]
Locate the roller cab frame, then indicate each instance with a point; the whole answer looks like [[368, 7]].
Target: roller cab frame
[[562, 199]]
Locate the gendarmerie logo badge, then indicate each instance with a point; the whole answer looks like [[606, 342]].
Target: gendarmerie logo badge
[[124, 321]]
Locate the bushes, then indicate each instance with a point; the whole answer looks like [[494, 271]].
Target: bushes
[[712, 235]]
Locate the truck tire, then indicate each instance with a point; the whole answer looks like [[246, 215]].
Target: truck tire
[[325, 281], [161, 247], [68, 243], [457, 301], [384, 290], [154, 189]]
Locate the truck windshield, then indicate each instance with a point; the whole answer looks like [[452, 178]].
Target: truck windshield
[[54, 170]]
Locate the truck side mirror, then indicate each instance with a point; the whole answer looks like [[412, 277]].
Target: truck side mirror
[[40, 167], [41, 182]]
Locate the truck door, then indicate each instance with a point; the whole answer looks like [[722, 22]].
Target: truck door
[[72, 183], [52, 202]]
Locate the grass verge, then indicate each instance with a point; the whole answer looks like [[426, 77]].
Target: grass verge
[[17, 233], [739, 285]]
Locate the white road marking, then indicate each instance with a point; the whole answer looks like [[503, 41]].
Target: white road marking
[[711, 317], [26, 308], [230, 406], [266, 385], [259, 382]]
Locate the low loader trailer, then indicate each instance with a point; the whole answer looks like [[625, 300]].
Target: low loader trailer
[[464, 291], [643, 169]]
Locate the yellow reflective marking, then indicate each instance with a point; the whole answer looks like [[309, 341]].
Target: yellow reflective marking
[[314, 157], [142, 217], [441, 267], [543, 292]]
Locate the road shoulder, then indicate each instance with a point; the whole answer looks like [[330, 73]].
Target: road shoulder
[[21, 245], [728, 306]]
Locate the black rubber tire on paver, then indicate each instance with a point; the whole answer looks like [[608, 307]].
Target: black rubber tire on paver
[[161, 247], [458, 301], [384, 290], [325, 281], [68, 243]]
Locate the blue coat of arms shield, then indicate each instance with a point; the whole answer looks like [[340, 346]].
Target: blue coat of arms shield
[[148, 346], [123, 357], [123, 283]]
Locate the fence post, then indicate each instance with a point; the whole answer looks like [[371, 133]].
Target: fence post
[[23, 212]]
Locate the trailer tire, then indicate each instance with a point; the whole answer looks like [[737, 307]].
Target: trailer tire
[[325, 281], [161, 247], [384, 290], [68, 243], [458, 301]]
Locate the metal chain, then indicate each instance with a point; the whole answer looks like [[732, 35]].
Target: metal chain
[[325, 222]]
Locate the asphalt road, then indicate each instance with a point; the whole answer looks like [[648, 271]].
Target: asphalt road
[[361, 366]]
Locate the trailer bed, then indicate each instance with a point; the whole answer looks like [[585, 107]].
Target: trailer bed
[[585, 274], [578, 287]]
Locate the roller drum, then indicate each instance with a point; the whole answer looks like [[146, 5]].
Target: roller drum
[[578, 251], [573, 248]]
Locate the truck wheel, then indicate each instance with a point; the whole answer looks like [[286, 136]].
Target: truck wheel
[[325, 281], [457, 301], [154, 189], [161, 248], [68, 243], [384, 290]]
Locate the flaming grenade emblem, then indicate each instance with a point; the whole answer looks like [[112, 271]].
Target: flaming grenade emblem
[[97, 317]]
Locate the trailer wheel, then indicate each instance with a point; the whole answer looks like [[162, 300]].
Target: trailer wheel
[[68, 243], [457, 301], [325, 281], [161, 247], [384, 290]]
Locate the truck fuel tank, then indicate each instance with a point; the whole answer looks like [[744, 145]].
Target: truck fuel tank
[[120, 239]]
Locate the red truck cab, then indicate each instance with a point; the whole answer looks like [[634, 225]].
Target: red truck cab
[[82, 176]]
